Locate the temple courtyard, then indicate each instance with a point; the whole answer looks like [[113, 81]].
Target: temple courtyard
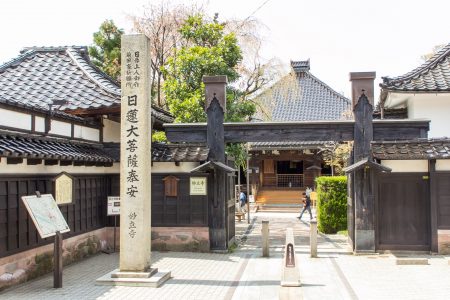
[[244, 274]]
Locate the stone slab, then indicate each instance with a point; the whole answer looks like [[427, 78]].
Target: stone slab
[[291, 293], [154, 281], [411, 261], [121, 274]]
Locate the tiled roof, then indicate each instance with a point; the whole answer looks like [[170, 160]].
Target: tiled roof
[[167, 153], [30, 146], [300, 96], [433, 75], [288, 145], [414, 149], [41, 75], [174, 152]]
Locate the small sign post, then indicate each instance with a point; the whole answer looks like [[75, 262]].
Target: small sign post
[[49, 222], [114, 210]]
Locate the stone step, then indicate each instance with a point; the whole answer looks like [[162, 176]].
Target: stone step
[[411, 261]]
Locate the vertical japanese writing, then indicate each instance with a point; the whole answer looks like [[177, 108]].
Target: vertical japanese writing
[[132, 79]]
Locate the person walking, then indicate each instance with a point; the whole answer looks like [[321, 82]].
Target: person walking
[[306, 206], [242, 201]]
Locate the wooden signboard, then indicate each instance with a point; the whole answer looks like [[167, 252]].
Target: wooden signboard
[[45, 214], [63, 189]]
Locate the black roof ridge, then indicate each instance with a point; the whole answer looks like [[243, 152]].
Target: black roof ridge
[[28, 51], [429, 64], [98, 71]]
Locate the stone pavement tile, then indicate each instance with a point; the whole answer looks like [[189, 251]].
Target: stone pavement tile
[[378, 277], [195, 276]]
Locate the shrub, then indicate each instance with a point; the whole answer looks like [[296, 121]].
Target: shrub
[[331, 203]]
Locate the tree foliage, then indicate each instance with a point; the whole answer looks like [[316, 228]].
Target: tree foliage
[[336, 156], [105, 53], [207, 51], [332, 203], [161, 24]]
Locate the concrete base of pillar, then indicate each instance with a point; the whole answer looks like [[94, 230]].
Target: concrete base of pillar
[[364, 241], [153, 278]]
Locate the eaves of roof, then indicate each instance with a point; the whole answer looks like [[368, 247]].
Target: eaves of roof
[[432, 76]]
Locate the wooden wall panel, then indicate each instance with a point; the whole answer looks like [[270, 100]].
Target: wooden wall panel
[[443, 199], [86, 213]]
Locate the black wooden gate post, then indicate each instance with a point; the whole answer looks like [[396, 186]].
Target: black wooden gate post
[[215, 106], [363, 193]]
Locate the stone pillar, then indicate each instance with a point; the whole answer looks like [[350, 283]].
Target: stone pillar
[[135, 164], [362, 81], [313, 238], [265, 238]]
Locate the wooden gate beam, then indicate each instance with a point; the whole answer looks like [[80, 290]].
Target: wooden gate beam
[[309, 130]]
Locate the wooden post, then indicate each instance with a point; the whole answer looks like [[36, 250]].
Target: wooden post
[[433, 205], [58, 262], [215, 92], [313, 238], [248, 188], [363, 190], [265, 238]]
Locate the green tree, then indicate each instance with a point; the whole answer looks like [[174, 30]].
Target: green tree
[[207, 50], [105, 53]]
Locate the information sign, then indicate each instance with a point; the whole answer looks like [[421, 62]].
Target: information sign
[[113, 206], [45, 214]]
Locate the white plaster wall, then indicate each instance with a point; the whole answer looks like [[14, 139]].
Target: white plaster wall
[[43, 169], [87, 133], [15, 119], [443, 165], [111, 131], [435, 107], [61, 128], [170, 167], [406, 165], [39, 124]]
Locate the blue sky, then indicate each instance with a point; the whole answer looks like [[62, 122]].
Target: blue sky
[[338, 36]]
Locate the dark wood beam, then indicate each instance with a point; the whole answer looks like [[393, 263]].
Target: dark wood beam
[[93, 112], [14, 160], [287, 131], [65, 162], [51, 162], [78, 163], [34, 161]]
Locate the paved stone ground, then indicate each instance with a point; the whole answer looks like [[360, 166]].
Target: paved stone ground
[[244, 274]]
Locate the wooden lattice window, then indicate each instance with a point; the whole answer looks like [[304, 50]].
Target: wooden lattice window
[[171, 186], [268, 166]]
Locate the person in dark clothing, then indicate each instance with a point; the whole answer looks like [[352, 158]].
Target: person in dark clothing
[[306, 206], [242, 200]]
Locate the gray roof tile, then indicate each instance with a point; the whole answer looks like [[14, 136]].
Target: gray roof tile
[[40, 75], [300, 96], [413, 149], [33, 146], [433, 76], [167, 153]]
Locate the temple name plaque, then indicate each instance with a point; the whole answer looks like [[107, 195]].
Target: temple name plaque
[[198, 186]]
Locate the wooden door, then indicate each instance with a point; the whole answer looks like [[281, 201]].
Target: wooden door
[[403, 212]]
